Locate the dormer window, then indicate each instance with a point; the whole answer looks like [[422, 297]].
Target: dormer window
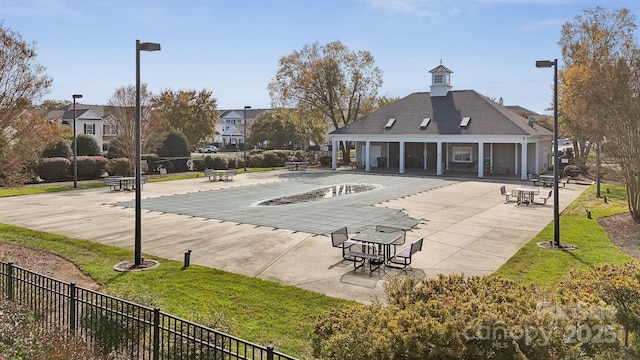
[[424, 123], [438, 79], [390, 123]]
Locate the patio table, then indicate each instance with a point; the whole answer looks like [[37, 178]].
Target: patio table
[[526, 195]]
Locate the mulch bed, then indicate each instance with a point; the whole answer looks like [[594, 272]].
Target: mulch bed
[[624, 232]]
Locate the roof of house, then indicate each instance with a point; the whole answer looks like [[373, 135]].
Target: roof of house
[[446, 113]]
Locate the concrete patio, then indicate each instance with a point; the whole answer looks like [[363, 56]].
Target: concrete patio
[[467, 226]]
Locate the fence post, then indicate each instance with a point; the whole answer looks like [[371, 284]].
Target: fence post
[[156, 334], [10, 281], [72, 307], [269, 352]]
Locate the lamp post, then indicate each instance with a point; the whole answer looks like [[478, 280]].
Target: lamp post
[[556, 168], [75, 143], [244, 136], [138, 236]]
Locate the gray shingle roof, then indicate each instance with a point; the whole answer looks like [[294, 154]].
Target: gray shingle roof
[[446, 113]]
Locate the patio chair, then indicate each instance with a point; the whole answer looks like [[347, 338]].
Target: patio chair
[[545, 197], [340, 239], [503, 191], [392, 229], [404, 257]]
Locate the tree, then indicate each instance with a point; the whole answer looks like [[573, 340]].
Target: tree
[[589, 41], [87, 145], [24, 133], [600, 88], [274, 129], [175, 145], [193, 113], [330, 79], [621, 120], [122, 105]]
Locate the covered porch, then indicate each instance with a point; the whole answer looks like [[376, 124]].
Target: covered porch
[[487, 157]]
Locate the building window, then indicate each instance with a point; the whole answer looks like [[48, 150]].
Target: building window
[[110, 129], [438, 79], [462, 154], [89, 129]]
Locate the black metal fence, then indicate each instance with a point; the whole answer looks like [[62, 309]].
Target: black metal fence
[[115, 325]]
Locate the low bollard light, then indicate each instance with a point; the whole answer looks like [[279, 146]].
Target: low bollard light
[[187, 258]]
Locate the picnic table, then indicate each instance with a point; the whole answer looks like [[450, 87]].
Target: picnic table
[[381, 240], [220, 174], [296, 165], [526, 194]]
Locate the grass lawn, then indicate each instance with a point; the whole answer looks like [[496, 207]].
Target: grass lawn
[[260, 311], [543, 267], [28, 190]]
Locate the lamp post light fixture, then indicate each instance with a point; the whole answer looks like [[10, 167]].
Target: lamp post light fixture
[[556, 165], [75, 143], [244, 135], [147, 46]]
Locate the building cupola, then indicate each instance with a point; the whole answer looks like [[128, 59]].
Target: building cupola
[[440, 81]]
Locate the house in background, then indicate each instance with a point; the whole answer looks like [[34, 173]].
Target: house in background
[[445, 130], [88, 120], [231, 125]]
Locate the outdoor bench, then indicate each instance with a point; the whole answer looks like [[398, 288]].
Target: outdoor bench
[[462, 166]]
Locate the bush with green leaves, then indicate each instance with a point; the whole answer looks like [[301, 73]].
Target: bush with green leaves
[[115, 148], [232, 162], [270, 159], [198, 165], [218, 162], [87, 145], [572, 170], [91, 167], [54, 169], [59, 149], [325, 160], [175, 145], [453, 317], [119, 167]]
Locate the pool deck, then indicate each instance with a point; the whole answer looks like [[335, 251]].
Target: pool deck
[[466, 225]]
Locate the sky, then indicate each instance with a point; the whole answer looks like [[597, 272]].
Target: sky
[[232, 47]]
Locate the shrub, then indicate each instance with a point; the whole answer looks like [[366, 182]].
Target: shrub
[[271, 159], [208, 162], [232, 162], [218, 162], [325, 160], [198, 165], [115, 146], [119, 166], [54, 169], [152, 163], [231, 146], [91, 167], [87, 145], [313, 148], [59, 149], [572, 170], [175, 145]]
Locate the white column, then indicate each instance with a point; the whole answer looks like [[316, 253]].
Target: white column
[[424, 157], [515, 157], [402, 145], [524, 167], [480, 159], [367, 164], [439, 159], [334, 154], [537, 153]]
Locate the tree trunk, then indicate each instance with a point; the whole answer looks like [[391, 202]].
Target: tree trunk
[[346, 151], [633, 195]]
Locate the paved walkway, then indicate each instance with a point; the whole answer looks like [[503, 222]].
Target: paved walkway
[[467, 226]]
